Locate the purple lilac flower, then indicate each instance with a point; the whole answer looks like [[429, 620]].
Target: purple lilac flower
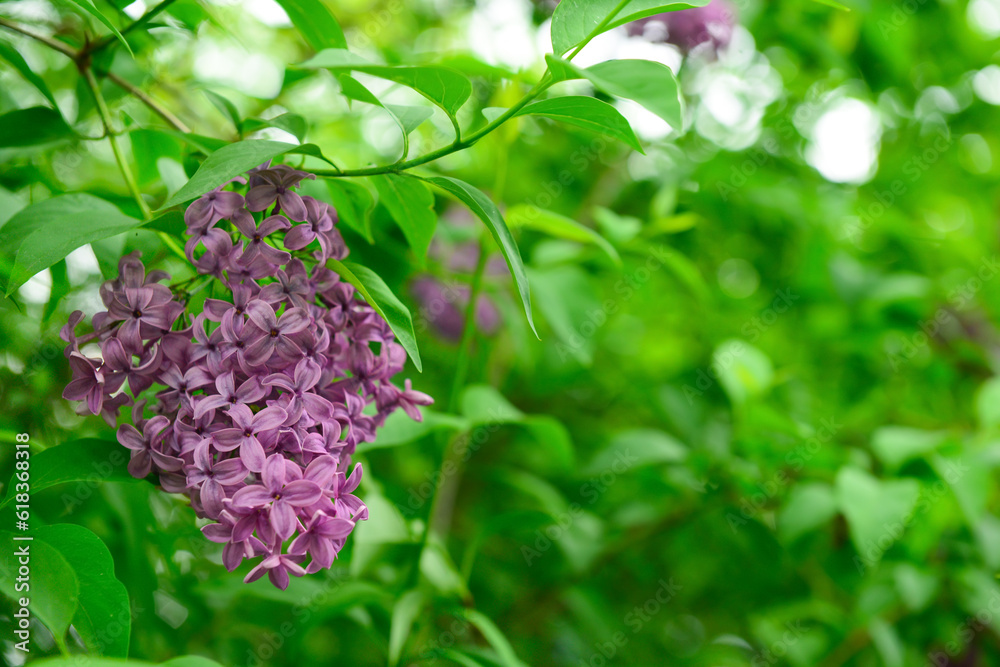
[[707, 28], [443, 307], [262, 395]]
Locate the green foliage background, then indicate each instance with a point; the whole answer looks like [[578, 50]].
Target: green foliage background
[[768, 436]]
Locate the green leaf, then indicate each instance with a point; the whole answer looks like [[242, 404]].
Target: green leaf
[[53, 602], [637, 448], [549, 222], [89, 460], [411, 205], [46, 127], [46, 232], [743, 370], [894, 445], [231, 161], [316, 22], [482, 404], [103, 616], [494, 636], [651, 84], [76, 661], [878, 512], [809, 506], [10, 54], [400, 429], [407, 118], [404, 613], [588, 113], [488, 212], [988, 404], [354, 204], [380, 297], [293, 123], [227, 108], [573, 21], [89, 7], [444, 87]]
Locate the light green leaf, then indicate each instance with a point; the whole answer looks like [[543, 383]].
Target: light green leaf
[[400, 429], [588, 113], [380, 297], [573, 21], [103, 617], [809, 506], [637, 448], [55, 601], [88, 6], [88, 460], [231, 161], [411, 205], [293, 123], [482, 404], [10, 54], [743, 370], [444, 87], [46, 127], [353, 203], [488, 212], [407, 118], [404, 613], [651, 84], [316, 22], [46, 232], [228, 109], [988, 404], [549, 222], [494, 636], [877, 511], [894, 445]]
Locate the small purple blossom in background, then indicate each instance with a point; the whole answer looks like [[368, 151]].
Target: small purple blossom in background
[[444, 308], [699, 29], [261, 397]]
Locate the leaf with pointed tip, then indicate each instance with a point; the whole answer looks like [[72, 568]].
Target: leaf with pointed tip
[[10, 54], [444, 87], [46, 232], [573, 21], [55, 602], [353, 203], [651, 84], [88, 6], [488, 212], [378, 295], [549, 222], [407, 118], [231, 161], [318, 25], [35, 126], [588, 113], [404, 613]]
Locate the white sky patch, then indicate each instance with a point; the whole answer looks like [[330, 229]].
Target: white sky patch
[[253, 74], [81, 264], [37, 289], [845, 142], [268, 12], [136, 9], [986, 83], [984, 17], [647, 125], [501, 33]]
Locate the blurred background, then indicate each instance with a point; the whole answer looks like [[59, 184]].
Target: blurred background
[[767, 436]]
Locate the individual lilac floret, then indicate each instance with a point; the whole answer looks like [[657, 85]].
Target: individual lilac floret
[[260, 397]]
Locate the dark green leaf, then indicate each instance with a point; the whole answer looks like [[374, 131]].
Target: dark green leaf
[[89, 460], [292, 123], [651, 84], [573, 21], [227, 108], [47, 231], [55, 602], [231, 161], [103, 616], [317, 24], [411, 205], [380, 297], [586, 112], [36, 126], [488, 212], [444, 87], [10, 54], [494, 636]]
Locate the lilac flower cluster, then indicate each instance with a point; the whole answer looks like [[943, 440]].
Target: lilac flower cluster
[[257, 402]]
